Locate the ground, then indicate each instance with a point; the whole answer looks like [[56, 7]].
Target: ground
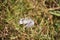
[[45, 13]]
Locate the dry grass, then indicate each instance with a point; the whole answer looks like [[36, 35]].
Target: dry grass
[[47, 25]]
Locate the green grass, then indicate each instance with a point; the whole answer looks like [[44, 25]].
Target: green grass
[[46, 27]]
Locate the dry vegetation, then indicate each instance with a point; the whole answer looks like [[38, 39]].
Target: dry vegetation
[[45, 13]]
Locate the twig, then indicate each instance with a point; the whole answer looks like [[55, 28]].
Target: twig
[[57, 8]]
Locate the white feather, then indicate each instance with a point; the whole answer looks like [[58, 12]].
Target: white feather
[[27, 22]]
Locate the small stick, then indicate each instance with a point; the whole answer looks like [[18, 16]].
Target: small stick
[[57, 8]]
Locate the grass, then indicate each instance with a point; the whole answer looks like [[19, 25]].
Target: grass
[[47, 24]]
